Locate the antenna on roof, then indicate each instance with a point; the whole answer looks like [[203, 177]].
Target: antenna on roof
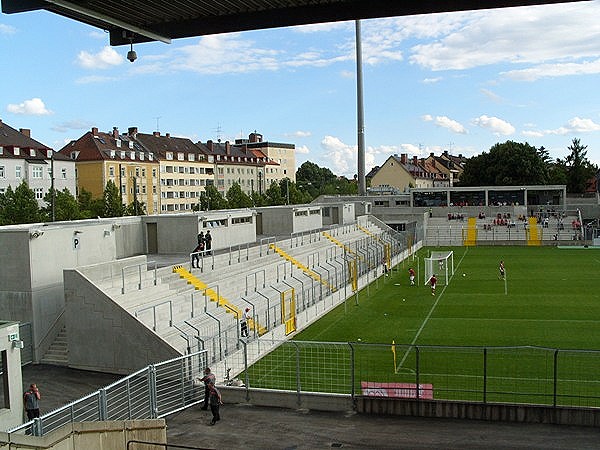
[[157, 119], [218, 131]]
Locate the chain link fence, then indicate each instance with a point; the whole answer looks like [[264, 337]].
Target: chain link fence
[[527, 375]]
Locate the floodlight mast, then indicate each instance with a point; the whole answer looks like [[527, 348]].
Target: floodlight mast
[[362, 188]]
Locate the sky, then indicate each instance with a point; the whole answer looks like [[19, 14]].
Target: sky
[[457, 82]]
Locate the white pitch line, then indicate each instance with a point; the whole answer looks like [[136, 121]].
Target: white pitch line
[[430, 312], [516, 320]]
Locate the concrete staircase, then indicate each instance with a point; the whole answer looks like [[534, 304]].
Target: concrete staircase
[[57, 353]]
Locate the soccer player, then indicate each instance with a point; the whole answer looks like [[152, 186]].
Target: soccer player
[[433, 282], [502, 271], [411, 276]]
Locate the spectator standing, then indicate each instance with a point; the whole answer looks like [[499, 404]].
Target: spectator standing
[[208, 379], [196, 257], [31, 401], [244, 323], [214, 401], [208, 240], [201, 239]]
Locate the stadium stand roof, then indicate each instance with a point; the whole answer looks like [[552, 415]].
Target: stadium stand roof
[[133, 21]]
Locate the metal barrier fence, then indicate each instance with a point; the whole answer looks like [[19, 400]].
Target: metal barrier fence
[[153, 392], [527, 375]]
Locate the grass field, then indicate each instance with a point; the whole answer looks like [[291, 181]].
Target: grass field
[[479, 338]]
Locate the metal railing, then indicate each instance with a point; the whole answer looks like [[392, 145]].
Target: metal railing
[[150, 393], [525, 375], [139, 267]]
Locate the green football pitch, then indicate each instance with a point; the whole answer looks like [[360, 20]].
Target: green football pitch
[[532, 337]]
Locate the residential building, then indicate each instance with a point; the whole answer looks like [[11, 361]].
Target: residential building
[[450, 165], [101, 157], [402, 173], [284, 155], [25, 159], [184, 170], [250, 168]]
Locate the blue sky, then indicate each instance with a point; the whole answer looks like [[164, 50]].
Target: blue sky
[[458, 81]]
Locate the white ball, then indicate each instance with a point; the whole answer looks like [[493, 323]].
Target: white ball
[[359, 339], [464, 274], [403, 299]]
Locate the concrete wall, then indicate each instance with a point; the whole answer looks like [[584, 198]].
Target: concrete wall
[[348, 213], [108, 435], [92, 317], [12, 416], [499, 412]]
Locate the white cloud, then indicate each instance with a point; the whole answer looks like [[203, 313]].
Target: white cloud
[[341, 157], [7, 29], [446, 122], [33, 107], [575, 125], [491, 95], [431, 80], [302, 149], [524, 35], [105, 58], [554, 70], [347, 74], [321, 27], [72, 125], [97, 34], [299, 134], [495, 125], [94, 79]]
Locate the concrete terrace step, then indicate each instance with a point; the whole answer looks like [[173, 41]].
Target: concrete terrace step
[[58, 352]]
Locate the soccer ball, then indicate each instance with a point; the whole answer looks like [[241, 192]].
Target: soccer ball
[[464, 274]]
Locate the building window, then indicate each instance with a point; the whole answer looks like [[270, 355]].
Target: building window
[[39, 193], [2, 172], [36, 172], [169, 156], [17, 151], [18, 171], [63, 174]]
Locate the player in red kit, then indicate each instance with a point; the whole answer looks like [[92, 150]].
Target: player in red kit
[[411, 276], [433, 282]]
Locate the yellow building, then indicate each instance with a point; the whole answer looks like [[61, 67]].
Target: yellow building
[[101, 157]]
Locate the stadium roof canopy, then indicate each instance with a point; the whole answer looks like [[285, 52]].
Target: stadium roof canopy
[[154, 20]]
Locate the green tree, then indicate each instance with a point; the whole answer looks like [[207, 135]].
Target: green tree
[[112, 201], [258, 199], [274, 195], [236, 198], [88, 206], [507, 164], [313, 178], [66, 206], [135, 208], [19, 206], [579, 170], [212, 199]]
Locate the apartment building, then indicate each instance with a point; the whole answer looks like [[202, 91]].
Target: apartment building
[[282, 155], [25, 159], [184, 170], [251, 169], [101, 157], [402, 172]]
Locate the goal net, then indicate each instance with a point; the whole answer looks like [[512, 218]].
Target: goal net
[[441, 264]]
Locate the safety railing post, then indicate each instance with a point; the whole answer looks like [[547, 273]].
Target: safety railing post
[[102, 405], [152, 392]]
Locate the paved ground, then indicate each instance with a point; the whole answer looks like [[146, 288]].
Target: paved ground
[[247, 427]]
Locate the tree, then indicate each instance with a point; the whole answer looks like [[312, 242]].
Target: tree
[[274, 195], [135, 208], [89, 207], [236, 198], [19, 206], [66, 206], [314, 178], [112, 201], [507, 164], [579, 170], [258, 199], [212, 199]]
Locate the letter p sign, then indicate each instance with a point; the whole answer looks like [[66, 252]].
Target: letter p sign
[[76, 242]]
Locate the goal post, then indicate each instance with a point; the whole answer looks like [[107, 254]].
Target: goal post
[[441, 264]]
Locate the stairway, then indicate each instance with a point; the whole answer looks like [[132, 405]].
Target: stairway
[[58, 352]]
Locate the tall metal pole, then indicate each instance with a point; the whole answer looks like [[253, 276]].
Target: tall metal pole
[[362, 185], [52, 186]]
